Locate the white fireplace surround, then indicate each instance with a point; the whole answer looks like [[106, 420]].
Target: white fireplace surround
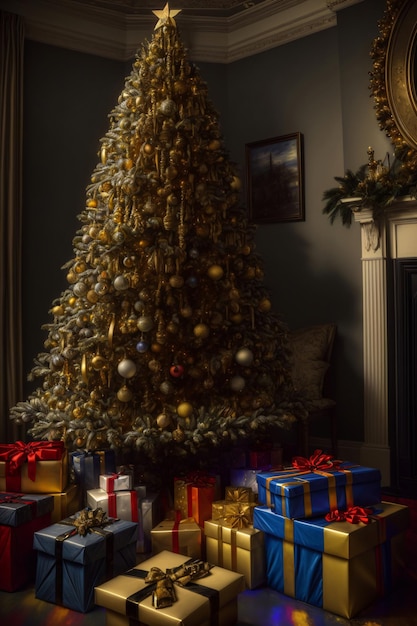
[[395, 237]]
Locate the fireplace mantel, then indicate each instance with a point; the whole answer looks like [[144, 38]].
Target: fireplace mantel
[[392, 237]]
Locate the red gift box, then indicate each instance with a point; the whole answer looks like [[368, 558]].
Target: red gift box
[[18, 559], [194, 495]]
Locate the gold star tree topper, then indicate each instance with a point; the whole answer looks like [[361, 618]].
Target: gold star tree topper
[[166, 16]]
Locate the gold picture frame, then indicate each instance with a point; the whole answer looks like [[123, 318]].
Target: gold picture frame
[[275, 179]]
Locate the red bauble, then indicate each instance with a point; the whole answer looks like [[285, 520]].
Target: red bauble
[[176, 371]]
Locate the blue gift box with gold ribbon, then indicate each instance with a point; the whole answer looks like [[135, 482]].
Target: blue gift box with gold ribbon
[[339, 566], [309, 490]]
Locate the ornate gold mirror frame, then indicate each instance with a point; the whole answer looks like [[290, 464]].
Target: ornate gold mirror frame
[[394, 77], [393, 82]]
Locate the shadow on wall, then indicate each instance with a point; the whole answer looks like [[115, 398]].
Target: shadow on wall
[[303, 296]]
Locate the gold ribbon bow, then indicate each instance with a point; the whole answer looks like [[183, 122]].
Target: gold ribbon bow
[[90, 519], [164, 594]]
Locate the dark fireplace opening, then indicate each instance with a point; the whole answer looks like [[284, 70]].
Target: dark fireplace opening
[[403, 378]]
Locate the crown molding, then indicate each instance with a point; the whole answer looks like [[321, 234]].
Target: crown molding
[[116, 35]]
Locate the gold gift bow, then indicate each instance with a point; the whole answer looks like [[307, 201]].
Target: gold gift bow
[[164, 594]]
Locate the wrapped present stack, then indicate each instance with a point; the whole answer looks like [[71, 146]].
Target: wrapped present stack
[[329, 540], [119, 497], [34, 492], [230, 538]]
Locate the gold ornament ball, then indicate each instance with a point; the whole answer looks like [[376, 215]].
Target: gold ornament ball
[[92, 296], [148, 148], [215, 272], [79, 442], [58, 310], [124, 394], [78, 413], [265, 305], [244, 357], [214, 144], [98, 362], [185, 409], [176, 281], [163, 420], [201, 331]]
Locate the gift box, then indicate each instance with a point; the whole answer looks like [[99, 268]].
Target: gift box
[[239, 494], [233, 514], [194, 495], [240, 550], [259, 458], [211, 600], [21, 515], [150, 514], [116, 482], [70, 565], [243, 477], [299, 493], [123, 504], [35, 467], [339, 566], [87, 467], [66, 503], [182, 536]]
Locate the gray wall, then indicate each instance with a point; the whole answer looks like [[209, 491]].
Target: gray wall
[[317, 86]]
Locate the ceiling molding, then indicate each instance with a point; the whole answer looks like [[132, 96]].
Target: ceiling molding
[[114, 34]]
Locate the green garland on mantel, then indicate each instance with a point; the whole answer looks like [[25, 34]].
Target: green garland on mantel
[[374, 186]]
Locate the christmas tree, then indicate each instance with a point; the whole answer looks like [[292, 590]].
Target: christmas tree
[[164, 341]]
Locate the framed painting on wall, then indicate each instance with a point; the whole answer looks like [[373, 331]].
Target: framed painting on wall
[[274, 179]]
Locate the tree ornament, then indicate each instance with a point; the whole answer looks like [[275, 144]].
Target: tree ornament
[[127, 368], [192, 281], [215, 272], [244, 356], [124, 394], [237, 383], [121, 283], [98, 362], [265, 305], [185, 409], [176, 371], [166, 387], [145, 323], [142, 346], [201, 331], [163, 421]]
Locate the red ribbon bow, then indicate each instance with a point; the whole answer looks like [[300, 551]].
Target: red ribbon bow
[[200, 479], [16, 454], [353, 515], [317, 461]]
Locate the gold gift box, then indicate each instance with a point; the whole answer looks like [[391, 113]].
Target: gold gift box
[[126, 606], [241, 551], [66, 503], [233, 514], [182, 537], [51, 476], [239, 494]]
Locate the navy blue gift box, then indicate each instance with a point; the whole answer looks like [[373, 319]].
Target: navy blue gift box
[[70, 565], [297, 494]]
